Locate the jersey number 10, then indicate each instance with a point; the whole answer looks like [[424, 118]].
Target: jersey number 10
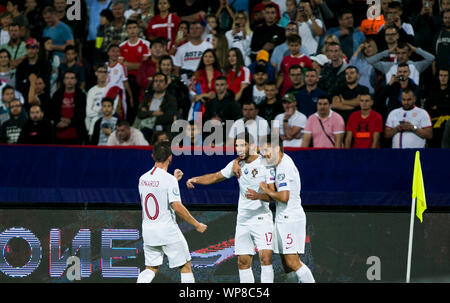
[[156, 207]]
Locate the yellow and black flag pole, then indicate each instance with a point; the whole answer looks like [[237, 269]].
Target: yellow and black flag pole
[[418, 197]]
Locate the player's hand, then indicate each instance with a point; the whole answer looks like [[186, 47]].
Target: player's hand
[[236, 169], [264, 187], [190, 183], [251, 194], [201, 228], [178, 174]]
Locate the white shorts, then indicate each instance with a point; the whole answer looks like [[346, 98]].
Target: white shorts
[[177, 253], [249, 236], [289, 237]]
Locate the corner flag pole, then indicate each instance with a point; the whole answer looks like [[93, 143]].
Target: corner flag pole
[[418, 196]]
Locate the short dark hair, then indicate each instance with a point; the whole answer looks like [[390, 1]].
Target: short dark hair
[[107, 99], [222, 77], [3, 50], [123, 123], [344, 11], [294, 39], [131, 21], [395, 4], [113, 45], [100, 65], [352, 67], [295, 66], [404, 64], [159, 40], [270, 5], [268, 139], [408, 90], [402, 44], [49, 9], [161, 151], [107, 13], [6, 87], [310, 70], [249, 102], [69, 47], [246, 136], [271, 83], [160, 74], [324, 97]]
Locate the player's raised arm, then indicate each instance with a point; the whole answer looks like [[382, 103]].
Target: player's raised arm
[[205, 179], [184, 214]]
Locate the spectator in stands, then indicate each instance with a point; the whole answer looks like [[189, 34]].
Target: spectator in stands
[[10, 129], [46, 53], [16, 8], [240, 35], [282, 50], [164, 25], [262, 58], [69, 112], [437, 104], [441, 47], [271, 105], [258, 14], [147, 13], [188, 55], [349, 37], [346, 99], [325, 128], [71, 63], [181, 38], [32, 64], [133, 9], [37, 94], [310, 28], [225, 15], [147, 68], [95, 96], [7, 74], [255, 91], [289, 14], [100, 56], [116, 32], [126, 135], [408, 126], [371, 25], [238, 75], [5, 20], [220, 47], [307, 97], [133, 52], [160, 137], [318, 62], [268, 35], [203, 87], [104, 125], [395, 8], [157, 111], [364, 127], [95, 8], [60, 33], [425, 23], [295, 58], [321, 11], [15, 46], [175, 87], [332, 75], [7, 96], [398, 83], [250, 121], [296, 78], [291, 123], [403, 52], [78, 28], [368, 76], [192, 10], [391, 37], [37, 129]]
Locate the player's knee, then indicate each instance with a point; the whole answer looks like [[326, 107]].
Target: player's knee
[[266, 259], [244, 263], [292, 264]]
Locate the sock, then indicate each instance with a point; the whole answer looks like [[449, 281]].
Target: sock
[[267, 273], [246, 276], [291, 277], [304, 274], [187, 277], [146, 276]]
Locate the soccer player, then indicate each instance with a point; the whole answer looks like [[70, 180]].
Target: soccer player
[[160, 198], [290, 219], [254, 220]]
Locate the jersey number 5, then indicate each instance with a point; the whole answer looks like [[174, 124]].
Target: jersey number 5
[[156, 207]]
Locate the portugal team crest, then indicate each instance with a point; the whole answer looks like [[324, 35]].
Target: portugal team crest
[[254, 172]]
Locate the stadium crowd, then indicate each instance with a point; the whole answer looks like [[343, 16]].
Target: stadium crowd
[[321, 73]]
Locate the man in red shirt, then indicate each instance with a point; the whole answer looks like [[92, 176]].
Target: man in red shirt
[[132, 52], [364, 127], [164, 25], [294, 43]]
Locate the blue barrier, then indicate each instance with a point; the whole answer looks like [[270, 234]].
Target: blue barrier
[[347, 177]]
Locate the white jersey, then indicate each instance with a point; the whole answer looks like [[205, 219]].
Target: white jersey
[[253, 174], [287, 177], [416, 116], [117, 74], [188, 55], [298, 119], [158, 189]]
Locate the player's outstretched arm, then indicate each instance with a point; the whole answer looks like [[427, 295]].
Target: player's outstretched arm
[[184, 214], [281, 196], [205, 179]]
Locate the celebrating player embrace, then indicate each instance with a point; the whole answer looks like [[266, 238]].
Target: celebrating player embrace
[[254, 221], [160, 198], [290, 219]]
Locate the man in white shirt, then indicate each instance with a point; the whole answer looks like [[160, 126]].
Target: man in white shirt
[[189, 54], [408, 126], [161, 201], [126, 135], [290, 124], [254, 221], [250, 121]]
